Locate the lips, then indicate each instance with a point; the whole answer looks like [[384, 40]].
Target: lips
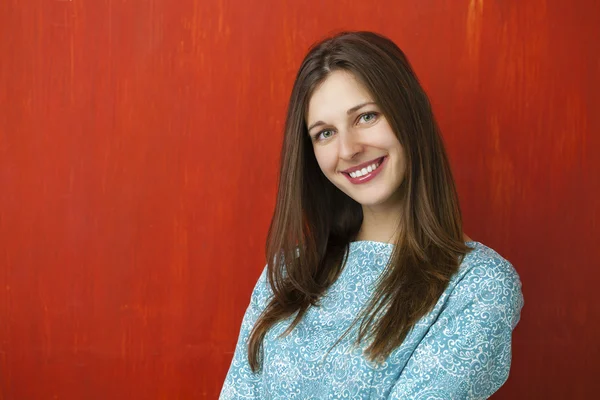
[[358, 175], [364, 165]]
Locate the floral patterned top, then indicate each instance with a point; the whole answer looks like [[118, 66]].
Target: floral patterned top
[[459, 350]]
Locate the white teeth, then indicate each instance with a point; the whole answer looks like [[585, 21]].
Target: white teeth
[[364, 171]]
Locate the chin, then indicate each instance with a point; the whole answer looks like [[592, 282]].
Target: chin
[[370, 200]]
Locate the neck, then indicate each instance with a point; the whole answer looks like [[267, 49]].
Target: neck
[[379, 224]]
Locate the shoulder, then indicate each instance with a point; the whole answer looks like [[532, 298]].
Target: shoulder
[[262, 290], [489, 282], [485, 265]]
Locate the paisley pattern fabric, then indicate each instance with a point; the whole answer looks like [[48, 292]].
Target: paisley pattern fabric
[[459, 350]]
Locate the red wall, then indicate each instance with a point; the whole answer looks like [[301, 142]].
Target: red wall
[[138, 158]]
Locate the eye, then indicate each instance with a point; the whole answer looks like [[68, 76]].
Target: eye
[[326, 134], [367, 117]]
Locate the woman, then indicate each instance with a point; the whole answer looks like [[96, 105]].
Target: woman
[[371, 290]]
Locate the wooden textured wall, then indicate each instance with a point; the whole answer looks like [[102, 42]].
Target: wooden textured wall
[[139, 143]]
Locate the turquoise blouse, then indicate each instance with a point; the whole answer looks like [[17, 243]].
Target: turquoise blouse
[[459, 350]]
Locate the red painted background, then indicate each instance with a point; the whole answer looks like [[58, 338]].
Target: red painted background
[[138, 160]]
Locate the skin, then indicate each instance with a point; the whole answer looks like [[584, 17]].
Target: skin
[[347, 128], [345, 134]]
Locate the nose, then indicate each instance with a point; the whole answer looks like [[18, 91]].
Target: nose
[[349, 146]]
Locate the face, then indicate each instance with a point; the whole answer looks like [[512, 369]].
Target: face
[[353, 142]]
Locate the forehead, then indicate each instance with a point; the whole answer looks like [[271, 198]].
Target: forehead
[[339, 92]]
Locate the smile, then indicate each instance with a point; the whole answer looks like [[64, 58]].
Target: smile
[[365, 173]]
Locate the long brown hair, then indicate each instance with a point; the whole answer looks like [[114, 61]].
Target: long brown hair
[[314, 222]]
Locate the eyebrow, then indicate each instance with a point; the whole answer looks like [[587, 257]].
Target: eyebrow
[[350, 111]]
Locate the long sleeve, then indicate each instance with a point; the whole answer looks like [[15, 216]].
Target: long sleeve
[[467, 352], [241, 382]]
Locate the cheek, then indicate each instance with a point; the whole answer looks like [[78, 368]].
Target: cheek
[[326, 162]]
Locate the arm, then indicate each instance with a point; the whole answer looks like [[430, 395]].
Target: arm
[[467, 352], [241, 382]]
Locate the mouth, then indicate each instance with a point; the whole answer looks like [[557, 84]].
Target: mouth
[[365, 173]]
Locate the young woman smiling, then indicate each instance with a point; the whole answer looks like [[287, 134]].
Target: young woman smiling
[[371, 289]]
